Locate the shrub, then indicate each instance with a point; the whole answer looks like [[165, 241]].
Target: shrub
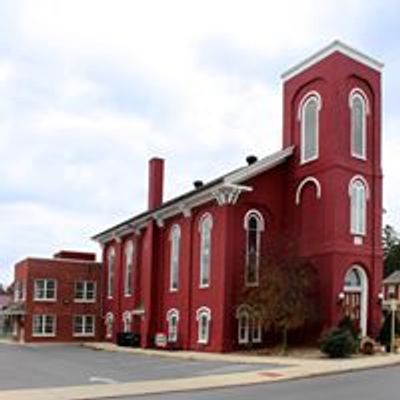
[[339, 343], [351, 326]]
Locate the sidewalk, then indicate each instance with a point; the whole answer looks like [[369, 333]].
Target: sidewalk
[[298, 368]]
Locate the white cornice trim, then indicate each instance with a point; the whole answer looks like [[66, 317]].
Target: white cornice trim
[[336, 46], [230, 187]]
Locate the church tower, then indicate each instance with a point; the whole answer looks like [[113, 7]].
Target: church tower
[[332, 115]]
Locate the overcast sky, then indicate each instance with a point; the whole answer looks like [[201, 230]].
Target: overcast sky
[[89, 90]]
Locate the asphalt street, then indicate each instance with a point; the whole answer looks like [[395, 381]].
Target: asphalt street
[[376, 384], [61, 365]]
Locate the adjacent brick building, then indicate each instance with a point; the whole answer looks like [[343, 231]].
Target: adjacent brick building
[[57, 299], [179, 267]]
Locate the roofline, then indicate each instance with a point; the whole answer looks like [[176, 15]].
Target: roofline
[[196, 197], [335, 46], [58, 260]]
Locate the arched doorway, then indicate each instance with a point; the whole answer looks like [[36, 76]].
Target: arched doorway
[[356, 297]]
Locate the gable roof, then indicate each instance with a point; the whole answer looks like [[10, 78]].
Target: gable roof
[[392, 278], [335, 46], [199, 196]]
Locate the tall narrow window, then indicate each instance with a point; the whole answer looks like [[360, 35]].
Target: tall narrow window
[[310, 128], [205, 250], [109, 321], [203, 320], [127, 321], [358, 207], [254, 226], [128, 284], [243, 326], [110, 272], [358, 107], [172, 320], [175, 238], [257, 328]]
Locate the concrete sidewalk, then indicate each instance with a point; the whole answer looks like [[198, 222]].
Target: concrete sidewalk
[[298, 368]]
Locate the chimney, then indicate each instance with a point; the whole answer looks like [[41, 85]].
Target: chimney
[[156, 180]]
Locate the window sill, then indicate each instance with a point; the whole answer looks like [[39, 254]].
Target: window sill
[[128, 294], [304, 162], [84, 301], [43, 335], [204, 286], [204, 342], [45, 300], [83, 335]]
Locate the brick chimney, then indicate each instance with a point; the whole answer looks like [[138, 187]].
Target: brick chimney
[[156, 181]]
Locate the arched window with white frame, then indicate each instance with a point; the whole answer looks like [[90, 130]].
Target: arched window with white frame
[[175, 238], [203, 317], [127, 321], [128, 262], [243, 318], [109, 321], [254, 226], [172, 321], [205, 228], [309, 119], [110, 272], [358, 207], [359, 111]]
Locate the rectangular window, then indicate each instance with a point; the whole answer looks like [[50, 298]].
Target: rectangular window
[[84, 325], [85, 291], [43, 325], [45, 289]]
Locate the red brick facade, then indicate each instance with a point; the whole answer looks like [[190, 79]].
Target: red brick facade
[[310, 200], [66, 270]]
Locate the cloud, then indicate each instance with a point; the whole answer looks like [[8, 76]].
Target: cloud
[[91, 89]]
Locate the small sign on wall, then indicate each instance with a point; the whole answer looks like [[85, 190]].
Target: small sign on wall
[[160, 340]]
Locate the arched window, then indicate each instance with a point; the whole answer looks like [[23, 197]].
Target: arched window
[[127, 321], [175, 237], [309, 117], [358, 207], [173, 320], [128, 284], [109, 320], [110, 272], [358, 107], [206, 223], [203, 317], [254, 226], [243, 317]]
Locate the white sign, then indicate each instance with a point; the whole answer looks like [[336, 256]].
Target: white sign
[[160, 340]]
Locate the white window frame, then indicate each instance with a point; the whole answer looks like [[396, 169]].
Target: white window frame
[[359, 195], [205, 228], [109, 322], [85, 292], [127, 321], [85, 318], [307, 99], [243, 313], [173, 329], [43, 322], [36, 290], [175, 239], [110, 272], [357, 93], [260, 229], [203, 314], [129, 251]]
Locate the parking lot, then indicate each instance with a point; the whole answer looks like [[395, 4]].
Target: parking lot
[[64, 365]]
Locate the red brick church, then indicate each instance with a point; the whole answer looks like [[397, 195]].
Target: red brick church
[[178, 267]]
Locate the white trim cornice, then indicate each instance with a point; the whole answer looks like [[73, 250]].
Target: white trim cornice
[[336, 46]]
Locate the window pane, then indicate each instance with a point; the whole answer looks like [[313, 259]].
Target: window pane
[[310, 129], [357, 123]]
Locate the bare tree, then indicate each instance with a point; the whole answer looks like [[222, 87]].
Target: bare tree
[[287, 290]]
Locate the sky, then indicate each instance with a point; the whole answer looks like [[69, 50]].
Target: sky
[[91, 89]]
